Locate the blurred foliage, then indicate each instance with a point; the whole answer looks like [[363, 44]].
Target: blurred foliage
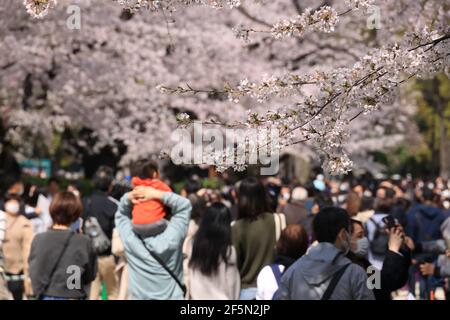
[[427, 117], [406, 158], [85, 186], [433, 106], [210, 183], [213, 183]]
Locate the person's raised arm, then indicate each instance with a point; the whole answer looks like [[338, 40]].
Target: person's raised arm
[[131, 242], [181, 211], [176, 231]]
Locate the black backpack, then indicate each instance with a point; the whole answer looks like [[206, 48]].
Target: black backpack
[[379, 243]]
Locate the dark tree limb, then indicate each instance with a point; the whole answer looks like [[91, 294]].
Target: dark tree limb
[[8, 65]]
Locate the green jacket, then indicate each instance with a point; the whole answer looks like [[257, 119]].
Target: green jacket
[[255, 246], [148, 280]]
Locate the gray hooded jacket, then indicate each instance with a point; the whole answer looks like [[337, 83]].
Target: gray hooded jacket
[[308, 278], [443, 261]]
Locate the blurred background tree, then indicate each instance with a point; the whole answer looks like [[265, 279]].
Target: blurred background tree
[[433, 120], [430, 155]]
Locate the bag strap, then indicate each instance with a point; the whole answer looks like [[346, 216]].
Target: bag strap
[[277, 226], [66, 244], [113, 200], [276, 272], [283, 221], [280, 224], [170, 272], [334, 281]]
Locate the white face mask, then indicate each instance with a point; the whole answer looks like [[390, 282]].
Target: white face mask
[[362, 247], [446, 204], [12, 207]]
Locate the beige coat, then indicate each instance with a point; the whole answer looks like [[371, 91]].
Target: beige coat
[[17, 244]]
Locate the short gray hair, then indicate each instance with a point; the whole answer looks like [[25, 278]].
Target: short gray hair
[[299, 193]]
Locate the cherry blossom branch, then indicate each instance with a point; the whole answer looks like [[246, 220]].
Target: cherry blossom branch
[[383, 65], [323, 19], [431, 43]]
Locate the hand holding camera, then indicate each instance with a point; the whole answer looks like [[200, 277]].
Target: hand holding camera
[[427, 269], [395, 232]]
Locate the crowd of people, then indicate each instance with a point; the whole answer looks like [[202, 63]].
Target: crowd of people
[[257, 238]]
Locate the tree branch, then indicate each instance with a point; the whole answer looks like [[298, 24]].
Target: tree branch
[[432, 43], [8, 65]]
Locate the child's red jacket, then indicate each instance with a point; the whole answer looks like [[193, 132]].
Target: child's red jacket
[[149, 211]]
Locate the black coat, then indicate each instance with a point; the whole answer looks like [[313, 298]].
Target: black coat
[[102, 208], [394, 273]]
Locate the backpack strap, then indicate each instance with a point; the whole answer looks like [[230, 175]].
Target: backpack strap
[[276, 272], [170, 272], [377, 225], [334, 281]]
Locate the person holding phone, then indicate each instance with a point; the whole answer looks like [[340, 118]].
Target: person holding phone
[[376, 228], [394, 273]]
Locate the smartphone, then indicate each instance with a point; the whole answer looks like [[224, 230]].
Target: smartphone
[[390, 222]]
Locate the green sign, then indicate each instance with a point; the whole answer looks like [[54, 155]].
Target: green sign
[[37, 167]]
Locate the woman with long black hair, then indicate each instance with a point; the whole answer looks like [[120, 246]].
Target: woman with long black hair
[[213, 271], [254, 234]]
